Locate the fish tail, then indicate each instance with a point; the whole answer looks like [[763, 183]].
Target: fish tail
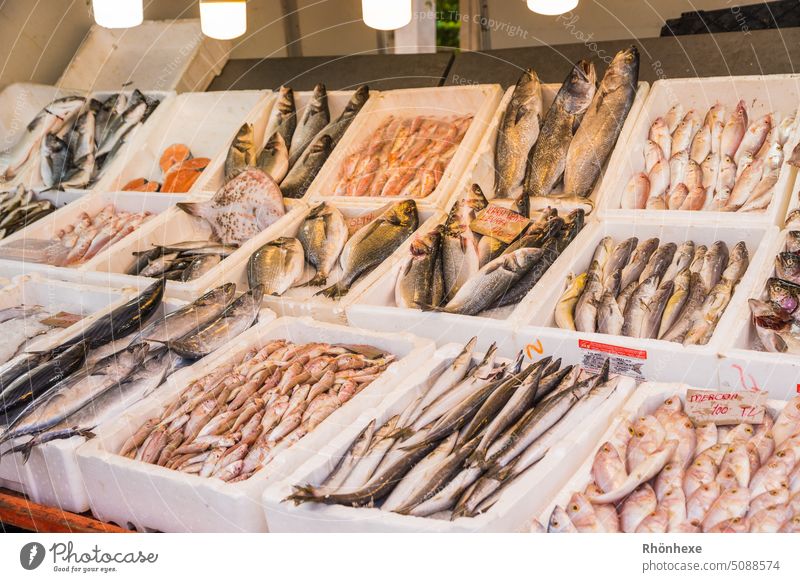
[[302, 494], [193, 208], [318, 280], [335, 291]]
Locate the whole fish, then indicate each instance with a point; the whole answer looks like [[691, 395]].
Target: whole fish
[[277, 266], [692, 305], [586, 306], [274, 158], [714, 263], [283, 118], [302, 174], [549, 154], [323, 235], [655, 310], [55, 160], [413, 287], [676, 301], [684, 254], [315, 117], [638, 262], [336, 128], [609, 316], [82, 158], [373, 243], [236, 318], [138, 108], [242, 208], [517, 134], [565, 308], [636, 192], [489, 248], [460, 257], [637, 308], [200, 266], [659, 262], [602, 123], [193, 316]]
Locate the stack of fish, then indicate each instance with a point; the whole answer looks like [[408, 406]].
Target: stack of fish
[[69, 389], [573, 141], [22, 324], [294, 151], [323, 239], [482, 257], [77, 157], [711, 163], [664, 473], [670, 292], [183, 261], [776, 319], [19, 208], [232, 422], [454, 450], [405, 156]]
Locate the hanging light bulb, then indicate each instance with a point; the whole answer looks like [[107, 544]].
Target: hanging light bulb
[[223, 19], [552, 7], [117, 13], [386, 14]]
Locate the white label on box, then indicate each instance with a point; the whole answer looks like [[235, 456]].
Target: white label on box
[[725, 407]]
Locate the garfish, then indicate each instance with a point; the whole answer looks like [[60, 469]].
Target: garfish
[[602, 123], [323, 235], [277, 266], [373, 243]]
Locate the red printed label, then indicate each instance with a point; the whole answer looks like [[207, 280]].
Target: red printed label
[[614, 350]]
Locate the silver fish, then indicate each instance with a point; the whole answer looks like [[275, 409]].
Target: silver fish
[[274, 158], [655, 309], [277, 266], [302, 174], [714, 262], [637, 307], [460, 255], [315, 117], [323, 235], [241, 153], [413, 287], [638, 262], [200, 265]]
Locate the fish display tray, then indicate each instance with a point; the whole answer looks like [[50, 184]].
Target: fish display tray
[[507, 515], [793, 200], [47, 227], [303, 301], [645, 399], [478, 100], [214, 178], [161, 55], [649, 359], [480, 169], [173, 226], [52, 476], [762, 94], [19, 104], [744, 368], [145, 496], [204, 122]]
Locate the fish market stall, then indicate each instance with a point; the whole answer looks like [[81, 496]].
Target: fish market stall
[[448, 475], [142, 492], [656, 469], [409, 143], [90, 390], [709, 149]]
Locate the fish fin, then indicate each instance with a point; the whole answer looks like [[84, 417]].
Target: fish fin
[[192, 208], [302, 494], [317, 280], [335, 291]]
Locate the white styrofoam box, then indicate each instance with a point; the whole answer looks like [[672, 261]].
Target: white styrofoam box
[[645, 400], [204, 122], [214, 178], [643, 358], [19, 104], [173, 226], [507, 515], [145, 496], [743, 365], [302, 301], [778, 94], [480, 170], [166, 55], [478, 100], [47, 227], [51, 476], [792, 202]]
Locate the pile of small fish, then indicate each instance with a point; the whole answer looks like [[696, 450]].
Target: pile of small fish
[[19, 208], [183, 261], [232, 422], [482, 257], [294, 151], [180, 169], [22, 324], [664, 473], [572, 143], [68, 390], [711, 163], [405, 156], [670, 292], [776, 319], [322, 240], [454, 450]]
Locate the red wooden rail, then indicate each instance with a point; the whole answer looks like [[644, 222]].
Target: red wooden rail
[[17, 510]]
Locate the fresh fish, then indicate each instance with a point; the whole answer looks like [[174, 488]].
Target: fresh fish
[[560, 522], [283, 118], [549, 154], [609, 316], [323, 235], [691, 307], [301, 175], [373, 243], [682, 258], [674, 117], [641, 256], [413, 287], [336, 128], [274, 158], [277, 266], [565, 308], [315, 117], [237, 317], [640, 474], [676, 301], [489, 248], [517, 134], [636, 192], [200, 266], [55, 160], [637, 308], [460, 258], [586, 306], [242, 208], [714, 263], [734, 131], [754, 138], [701, 144], [659, 262]]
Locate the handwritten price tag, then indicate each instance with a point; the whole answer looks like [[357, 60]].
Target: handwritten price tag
[[725, 407]]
